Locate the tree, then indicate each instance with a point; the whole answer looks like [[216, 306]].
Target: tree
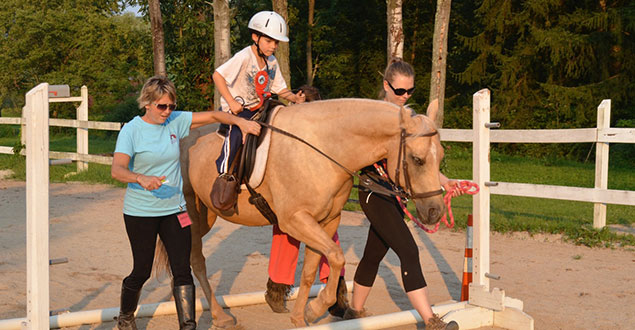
[[282, 53], [310, 70], [439, 56], [222, 45], [158, 43], [550, 63], [395, 39]]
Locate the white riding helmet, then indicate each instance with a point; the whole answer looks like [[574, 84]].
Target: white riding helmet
[[270, 24]]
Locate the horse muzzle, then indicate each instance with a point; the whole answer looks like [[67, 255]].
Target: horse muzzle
[[430, 210]]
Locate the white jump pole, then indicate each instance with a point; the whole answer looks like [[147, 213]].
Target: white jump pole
[[151, 310], [37, 207]]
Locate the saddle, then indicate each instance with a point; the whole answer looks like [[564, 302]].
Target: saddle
[[227, 186]]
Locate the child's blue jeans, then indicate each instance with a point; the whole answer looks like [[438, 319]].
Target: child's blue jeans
[[232, 143]]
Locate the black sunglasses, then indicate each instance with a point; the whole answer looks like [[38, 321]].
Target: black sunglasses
[[401, 91], [164, 107]]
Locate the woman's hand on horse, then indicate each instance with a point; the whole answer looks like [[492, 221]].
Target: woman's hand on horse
[[150, 182], [248, 127]]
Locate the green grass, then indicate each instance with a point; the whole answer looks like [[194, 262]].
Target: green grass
[[573, 220], [96, 173]]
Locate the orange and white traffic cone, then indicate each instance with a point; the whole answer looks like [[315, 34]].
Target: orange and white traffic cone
[[467, 264]]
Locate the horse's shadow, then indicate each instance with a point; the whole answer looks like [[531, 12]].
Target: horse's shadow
[[352, 239]]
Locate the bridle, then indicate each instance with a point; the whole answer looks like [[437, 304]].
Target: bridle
[[408, 194]]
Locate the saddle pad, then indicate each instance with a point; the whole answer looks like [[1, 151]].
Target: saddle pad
[[262, 152]]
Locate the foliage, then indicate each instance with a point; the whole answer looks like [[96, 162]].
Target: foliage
[[78, 42], [550, 63]]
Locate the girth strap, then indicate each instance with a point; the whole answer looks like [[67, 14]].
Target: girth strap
[[261, 204]]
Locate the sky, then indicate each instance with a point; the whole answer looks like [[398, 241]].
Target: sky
[[133, 9]]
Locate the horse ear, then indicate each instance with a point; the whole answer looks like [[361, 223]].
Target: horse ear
[[433, 109], [405, 117]]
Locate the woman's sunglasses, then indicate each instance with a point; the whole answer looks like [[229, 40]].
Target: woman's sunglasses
[[401, 91], [164, 107]]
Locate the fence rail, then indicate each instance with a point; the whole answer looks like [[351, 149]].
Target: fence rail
[[602, 135]]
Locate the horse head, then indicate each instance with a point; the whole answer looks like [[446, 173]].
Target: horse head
[[417, 170]]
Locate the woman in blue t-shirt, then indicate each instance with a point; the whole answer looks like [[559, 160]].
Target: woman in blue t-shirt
[[147, 159]]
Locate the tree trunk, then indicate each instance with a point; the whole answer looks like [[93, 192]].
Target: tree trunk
[[310, 72], [439, 56], [395, 29], [282, 53], [158, 41], [222, 46]]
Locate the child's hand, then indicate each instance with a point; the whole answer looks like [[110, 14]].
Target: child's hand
[[235, 107], [300, 97]]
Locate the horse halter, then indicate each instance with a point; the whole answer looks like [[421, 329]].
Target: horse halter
[[401, 162]]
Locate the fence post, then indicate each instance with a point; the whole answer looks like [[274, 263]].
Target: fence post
[[601, 162], [23, 126], [480, 175], [82, 133], [36, 112]]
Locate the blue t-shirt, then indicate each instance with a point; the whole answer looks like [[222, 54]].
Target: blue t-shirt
[[154, 151]]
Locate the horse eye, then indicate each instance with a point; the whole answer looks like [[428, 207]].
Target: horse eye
[[418, 161]]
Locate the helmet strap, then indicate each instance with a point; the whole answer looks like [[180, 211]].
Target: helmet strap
[[260, 53]]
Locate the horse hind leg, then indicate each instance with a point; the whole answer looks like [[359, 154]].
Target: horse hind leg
[[197, 260]]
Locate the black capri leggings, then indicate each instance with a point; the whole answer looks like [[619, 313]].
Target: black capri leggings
[[388, 230], [142, 233]]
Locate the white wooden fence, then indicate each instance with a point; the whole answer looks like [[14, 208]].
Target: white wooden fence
[[481, 137], [602, 135], [82, 124]]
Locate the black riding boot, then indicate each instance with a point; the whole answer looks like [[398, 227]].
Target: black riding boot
[[185, 300], [341, 304], [129, 301], [275, 296]]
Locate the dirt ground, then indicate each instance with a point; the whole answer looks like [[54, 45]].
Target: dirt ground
[[563, 286]]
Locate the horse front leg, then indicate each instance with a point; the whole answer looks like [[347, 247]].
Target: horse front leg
[[305, 228], [328, 296], [309, 269], [204, 222]]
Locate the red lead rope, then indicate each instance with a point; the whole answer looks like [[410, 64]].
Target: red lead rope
[[466, 187]]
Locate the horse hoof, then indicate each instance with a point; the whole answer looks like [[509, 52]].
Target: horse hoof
[[299, 322], [225, 321], [311, 313]]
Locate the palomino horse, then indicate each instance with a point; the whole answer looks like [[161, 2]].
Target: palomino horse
[[307, 191]]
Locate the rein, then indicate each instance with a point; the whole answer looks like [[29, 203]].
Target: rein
[[365, 181]]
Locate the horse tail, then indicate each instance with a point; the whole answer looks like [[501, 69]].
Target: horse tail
[[161, 265]]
